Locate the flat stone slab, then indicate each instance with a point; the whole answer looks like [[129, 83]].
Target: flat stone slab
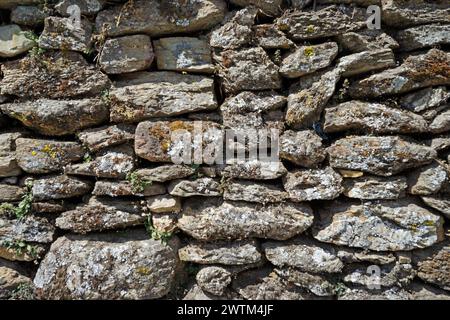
[[374, 188], [100, 138], [303, 148], [13, 41], [28, 229], [423, 37], [252, 191], [59, 187], [366, 61]]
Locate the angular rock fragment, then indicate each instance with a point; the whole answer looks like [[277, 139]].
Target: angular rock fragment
[[164, 204], [59, 187], [268, 36], [167, 94], [12, 278], [308, 59], [165, 173], [425, 99], [183, 54], [384, 156], [441, 123], [48, 207], [254, 169], [423, 37], [416, 72], [313, 184], [157, 18], [268, 7], [54, 75], [366, 40], [125, 188], [427, 180], [199, 187], [8, 162], [94, 266], [348, 255], [221, 252], [316, 284], [304, 148], [13, 41], [251, 191], [30, 16], [44, 156], [366, 61], [11, 193], [394, 293], [126, 54], [379, 226], [440, 202], [374, 188], [87, 7], [28, 229], [210, 220], [440, 143], [373, 117], [107, 136], [247, 69], [49, 117], [420, 291], [213, 280], [390, 275], [101, 214]]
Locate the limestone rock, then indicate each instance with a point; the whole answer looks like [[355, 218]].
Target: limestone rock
[[167, 94], [374, 188], [29, 16], [209, 220], [22, 251], [423, 36], [28, 229], [372, 117], [157, 18], [439, 202], [427, 180], [313, 184], [214, 280], [87, 7], [107, 136], [49, 117], [164, 204], [268, 7], [54, 75], [383, 156], [11, 193], [303, 148], [8, 163], [101, 214], [440, 143], [416, 72], [165, 173], [199, 187], [44, 156], [59, 187], [348, 255], [366, 40], [394, 293], [13, 41], [390, 275], [308, 59], [244, 190], [221, 252], [12, 277], [254, 169], [268, 36], [316, 284], [125, 188], [126, 54], [183, 54], [95, 266], [425, 99], [379, 226], [441, 123], [366, 61], [420, 291]]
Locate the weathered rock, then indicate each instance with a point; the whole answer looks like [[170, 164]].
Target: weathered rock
[[59, 187], [441, 123], [251, 191], [362, 3], [313, 184], [372, 117], [49, 117], [210, 220], [398, 13], [440, 143], [304, 148], [420, 291], [8, 163], [112, 163], [308, 25], [54, 75], [166, 94], [382, 156], [366, 40], [379, 226], [303, 254], [196, 293], [165, 173], [21, 251], [125, 188], [200, 187], [423, 36], [316, 284], [425, 99], [393, 293], [268, 36], [107, 136], [427, 180], [157, 18], [254, 169], [13, 41], [247, 69], [30, 16], [101, 214], [164, 204], [426, 70], [268, 7], [305, 106], [44, 156], [183, 54], [165, 222], [87, 7], [348, 255], [10, 192], [12, 277], [374, 188], [95, 266], [49, 207], [366, 61], [214, 280], [126, 54], [439, 202], [308, 59], [29, 229], [7, 4], [399, 274]]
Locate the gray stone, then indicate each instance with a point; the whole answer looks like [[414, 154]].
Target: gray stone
[[125, 188], [379, 226], [390, 275], [100, 138], [12, 277], [167, 94], [384, 156], [199, 187], [214, 280], [268, 36], [44, 156], [11, 193], [196, 293], [28, 229], [210, 220], [423, 37], [427, 180], [165, 173], [440, 143], [164, 204], [425, 99], [126, 54], [374, 188], [268, 7], [49, 117], [348, 255], [244, 190], [420, 291], [313, 184], [8, 163], [183, 54], [87, 7], [13, 41], [60, 187], [441, 123], [366, 61], [366, 40], [8, 4], [316, 284], [254, 169], [95, 266], [29, 16], [440, 202], [393, 293], [303, 148]]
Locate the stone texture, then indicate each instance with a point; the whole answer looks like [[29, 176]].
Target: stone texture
[[59, 187], [199, 187], [87, 7], [28, 229], [125, 188], [49, 117], [126, 54], [95, 266], [303, 148], [372, 117], [100, 138], [13, 41], [308, 59], [268, 7], [366, 61], [379, 226], [313, 184], [439, 202], [214, 280], [29, 16], [441, 123], [11, 193], [12, 277], [165, 173], [427, 180], [209, 220], [164, 204], [8, 162], [167, 94], [375, 188], [254, 169], [382, 156], [400, 274], [425, 99], [316, 284], [433, 265], [7, 4], [183, 54], [244, 190], [394, 293], [423, 37], [366, 40], [268, 36], [221, 252], [157, 18]]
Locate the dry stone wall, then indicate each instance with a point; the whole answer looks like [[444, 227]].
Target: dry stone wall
[[94, 207]]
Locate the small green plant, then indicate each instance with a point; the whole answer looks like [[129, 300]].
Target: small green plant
[[24, 291], [36, 51], [7, 209], [138, 185], [309, 51], [156, 234], [24, 206], [87, 157], [104, 95], [21, 248], [340, 289]]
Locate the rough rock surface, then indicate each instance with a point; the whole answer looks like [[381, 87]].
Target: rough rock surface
[[366, 61], [250, 191], [434, 265], [125, 188], [304, 148], [423, 37], [28, 16], [13, 41], [107, 136], [214, 280], [427, 180], [60, 187], [425, 99], [29, 229], [199, 187], [375, 188], [12, 277], [439, 202]]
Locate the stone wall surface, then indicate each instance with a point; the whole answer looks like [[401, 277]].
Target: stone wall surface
[[93, 205]]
